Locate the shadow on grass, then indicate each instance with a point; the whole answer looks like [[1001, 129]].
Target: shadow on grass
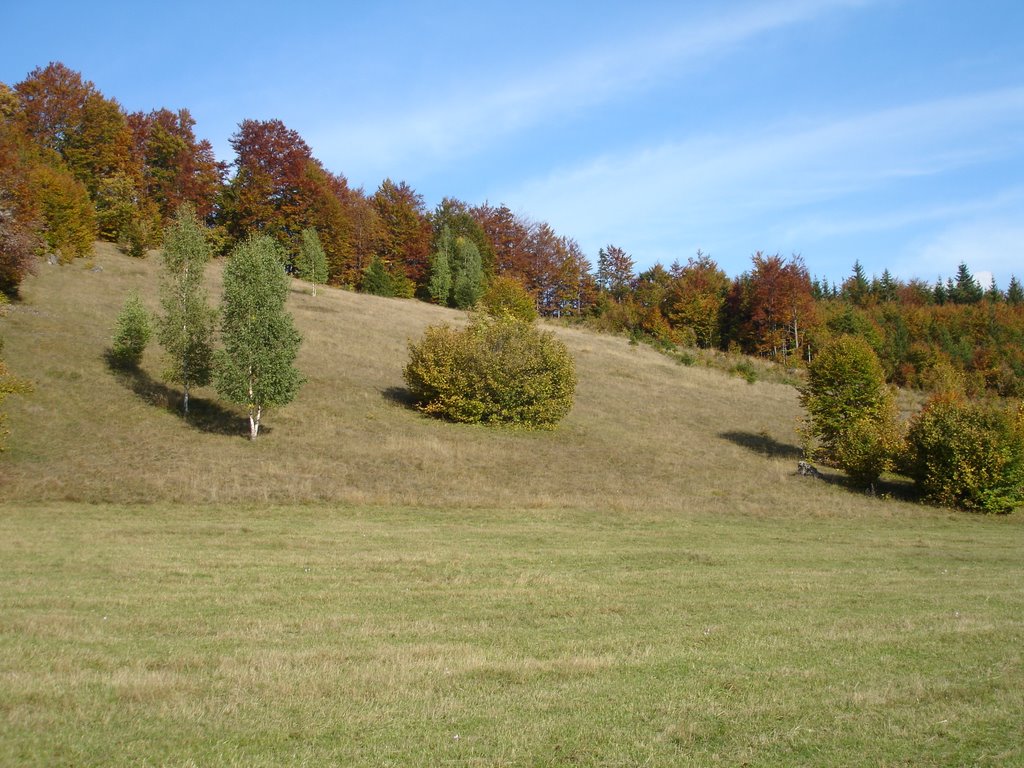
[[204, 415], [764, 445], [888, 487], [400, 396]]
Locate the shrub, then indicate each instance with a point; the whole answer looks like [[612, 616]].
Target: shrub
[[745, 370], [507, 296], [379, 280], [499, 371], [131, 335], [967, 455], [852, 411]]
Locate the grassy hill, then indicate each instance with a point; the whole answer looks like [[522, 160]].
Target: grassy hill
[[649, 584], [646, 433]]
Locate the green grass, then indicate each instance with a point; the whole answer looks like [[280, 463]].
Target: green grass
[[176, 635], [649, 584]]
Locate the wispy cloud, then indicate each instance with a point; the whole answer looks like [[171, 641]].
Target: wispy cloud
[[991, 246], [767, 183], [478, 114]]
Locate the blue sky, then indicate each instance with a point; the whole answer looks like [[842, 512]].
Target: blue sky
[[889, 131]]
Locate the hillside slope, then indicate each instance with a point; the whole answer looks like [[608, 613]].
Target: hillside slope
[[645, 433]]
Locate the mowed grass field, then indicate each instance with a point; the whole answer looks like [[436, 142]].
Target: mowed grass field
[[647, 585]]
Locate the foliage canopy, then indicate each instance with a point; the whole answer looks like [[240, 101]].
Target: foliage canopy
[[256, 366], [186, 327], [498, 371], [851, 410], [968, 454]]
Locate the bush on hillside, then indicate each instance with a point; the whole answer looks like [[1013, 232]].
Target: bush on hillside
[[498, 371], [131, 334], [968, 455]]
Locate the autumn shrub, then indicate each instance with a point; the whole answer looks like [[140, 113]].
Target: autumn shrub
[[851, 412], [498, 371], [967, 454]]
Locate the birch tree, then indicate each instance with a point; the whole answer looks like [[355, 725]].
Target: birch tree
[[312, 259], [256, 366], [185, 329]]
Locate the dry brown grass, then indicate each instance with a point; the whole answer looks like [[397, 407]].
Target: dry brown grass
[[645, 434]]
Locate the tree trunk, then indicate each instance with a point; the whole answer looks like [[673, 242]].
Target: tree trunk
[[254, 422], [255, 411]]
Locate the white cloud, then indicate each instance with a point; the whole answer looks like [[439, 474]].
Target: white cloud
[[683, 190], [477, 115], [990, 247]]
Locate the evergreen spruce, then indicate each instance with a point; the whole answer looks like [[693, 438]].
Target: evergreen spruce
[[376, 279], [1014, 292]]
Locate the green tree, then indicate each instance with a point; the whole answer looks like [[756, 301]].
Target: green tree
[[256, 368], [614, 271], [1014, 293], [852, 412], [966, 289], [376, 279], [131, 334], [467, 274], [186, 327], [856, 287], [312, 261], [440, 284]]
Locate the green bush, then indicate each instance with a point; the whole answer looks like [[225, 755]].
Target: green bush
[[131, 335], [967, 455], [852, 413], [507, 296], [499, 371], [745, 370]]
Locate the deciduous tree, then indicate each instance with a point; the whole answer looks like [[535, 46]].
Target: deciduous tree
[[256, 367], [312, 262], [614, 271], [186, 327], [851, 411], [406, 232], [697, 299]]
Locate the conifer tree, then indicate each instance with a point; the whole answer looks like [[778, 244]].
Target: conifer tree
[[377, 280], [1015, 293], [312, 259], [966, 289], [186, 327], [256, 367]]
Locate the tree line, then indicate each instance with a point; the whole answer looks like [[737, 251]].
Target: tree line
[[74, 166]]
